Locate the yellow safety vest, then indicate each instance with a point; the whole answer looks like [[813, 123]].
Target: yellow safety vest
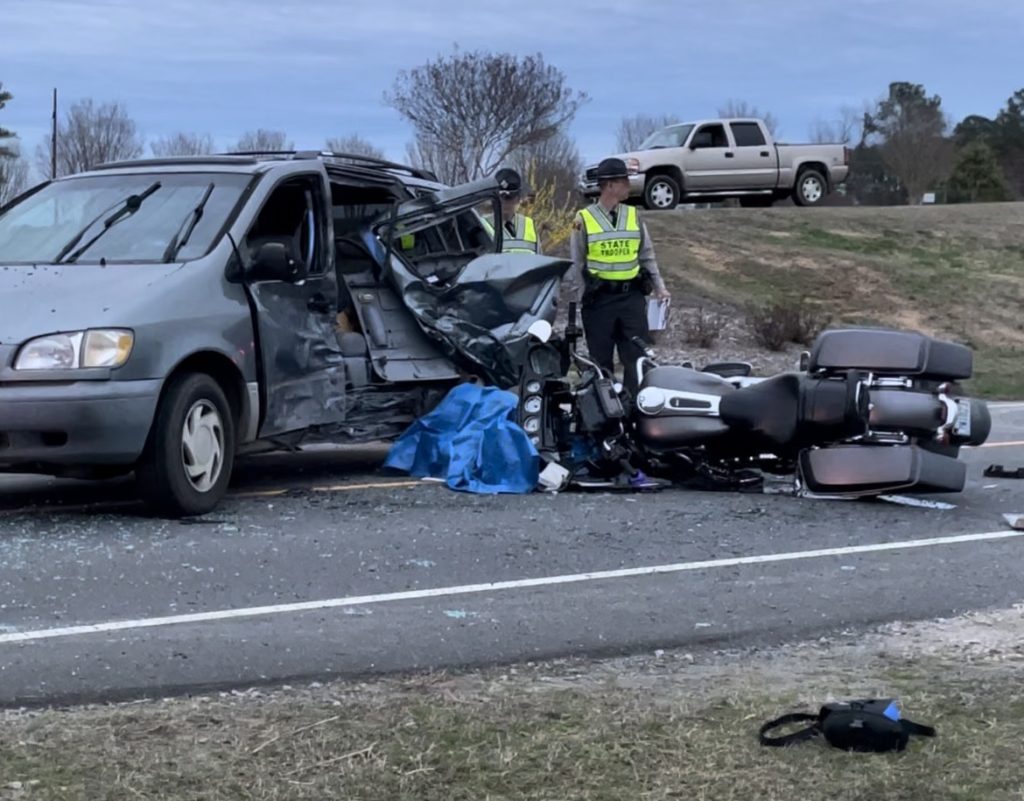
[[525, 239], [613, 251]]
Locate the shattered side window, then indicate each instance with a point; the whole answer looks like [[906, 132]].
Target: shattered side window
[[462, 234], [289, 217], [475, 233]]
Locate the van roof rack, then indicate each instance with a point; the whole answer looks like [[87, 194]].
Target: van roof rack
[[165, 161], [352, 158]]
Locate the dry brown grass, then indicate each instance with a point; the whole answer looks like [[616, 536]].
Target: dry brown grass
[[661, 735], [950, 271]]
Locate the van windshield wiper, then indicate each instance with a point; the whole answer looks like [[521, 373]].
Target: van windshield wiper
[[191, 221], [129, 205]]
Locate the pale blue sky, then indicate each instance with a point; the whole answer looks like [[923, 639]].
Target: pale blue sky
[[318, 68]]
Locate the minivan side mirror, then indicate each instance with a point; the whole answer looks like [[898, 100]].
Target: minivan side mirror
[[273, 263]]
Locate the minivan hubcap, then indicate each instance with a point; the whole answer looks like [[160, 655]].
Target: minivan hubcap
[[202, 445]]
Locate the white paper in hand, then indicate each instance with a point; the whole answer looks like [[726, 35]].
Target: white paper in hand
[[657, 313]]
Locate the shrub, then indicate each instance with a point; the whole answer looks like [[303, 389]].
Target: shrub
[[702, 328], [776, 324]]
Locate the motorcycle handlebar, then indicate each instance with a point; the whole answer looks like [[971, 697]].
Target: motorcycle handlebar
[[640, 343]]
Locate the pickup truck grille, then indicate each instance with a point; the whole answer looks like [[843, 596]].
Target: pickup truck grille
[[591, 173]]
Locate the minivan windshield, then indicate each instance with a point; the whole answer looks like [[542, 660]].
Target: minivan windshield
[[120, 218], [673, 136]]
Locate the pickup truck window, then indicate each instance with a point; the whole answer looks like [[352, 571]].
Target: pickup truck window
[[747, 134], [711, 136], [672, 136]]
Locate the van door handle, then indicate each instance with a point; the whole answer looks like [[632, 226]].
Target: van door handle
[[319, 303], [765, 153], [729, 155]]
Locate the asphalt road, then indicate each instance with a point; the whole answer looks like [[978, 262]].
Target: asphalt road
[[318, 566]]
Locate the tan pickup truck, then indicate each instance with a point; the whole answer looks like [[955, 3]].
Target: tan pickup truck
[[712, 160]]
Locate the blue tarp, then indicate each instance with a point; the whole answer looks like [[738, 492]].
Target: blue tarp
[[471, 442]]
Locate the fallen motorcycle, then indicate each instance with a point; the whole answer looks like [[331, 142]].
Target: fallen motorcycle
[[871, 411]]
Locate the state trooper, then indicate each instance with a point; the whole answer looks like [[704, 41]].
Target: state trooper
[[613, 270], [519, 234]]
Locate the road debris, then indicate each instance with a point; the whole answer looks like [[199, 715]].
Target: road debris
[[998, 471], [1016, 521], [904, 500]]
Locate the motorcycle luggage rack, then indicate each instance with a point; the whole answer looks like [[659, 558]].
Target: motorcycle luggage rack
[[891, 383]]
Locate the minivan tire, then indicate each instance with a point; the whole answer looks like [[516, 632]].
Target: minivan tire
[[661, 193], [186, 465]]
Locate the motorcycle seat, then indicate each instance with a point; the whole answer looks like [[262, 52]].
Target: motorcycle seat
[[770, 408]]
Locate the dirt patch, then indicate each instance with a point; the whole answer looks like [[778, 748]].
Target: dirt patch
[[660, 726]]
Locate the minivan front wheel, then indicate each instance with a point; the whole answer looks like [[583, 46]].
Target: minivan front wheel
[[187, 463]]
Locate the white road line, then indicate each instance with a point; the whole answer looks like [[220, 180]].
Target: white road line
[[496, 586]]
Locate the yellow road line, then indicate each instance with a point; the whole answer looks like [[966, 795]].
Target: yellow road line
[[378, 485], [275, 493], [259, 494]]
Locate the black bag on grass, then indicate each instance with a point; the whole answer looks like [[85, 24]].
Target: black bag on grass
[[867, 725]]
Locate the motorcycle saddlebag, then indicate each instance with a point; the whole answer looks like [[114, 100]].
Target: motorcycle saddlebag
[[887, 352], [877, 469]]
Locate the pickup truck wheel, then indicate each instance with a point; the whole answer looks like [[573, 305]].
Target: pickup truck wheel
[[661, 193], [187, 463], [810, 188]]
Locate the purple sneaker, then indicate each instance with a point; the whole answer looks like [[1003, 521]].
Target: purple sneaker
[[640, 481]]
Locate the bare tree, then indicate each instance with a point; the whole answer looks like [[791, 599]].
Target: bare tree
[[479, 108], [183, 144], [13, 177], [555, 162], [910, 130], [91, 135], [13, 169], [633, 130], [264, 141], [741, 108], [355, 145], [844, 128], [6, 150], [426, 155]]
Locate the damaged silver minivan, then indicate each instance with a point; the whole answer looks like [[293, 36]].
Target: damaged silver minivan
[[162, 316]]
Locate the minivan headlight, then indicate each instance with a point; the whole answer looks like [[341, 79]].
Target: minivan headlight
[[98, 348]]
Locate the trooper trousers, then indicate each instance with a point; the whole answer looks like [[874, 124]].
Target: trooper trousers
[[610, 321]]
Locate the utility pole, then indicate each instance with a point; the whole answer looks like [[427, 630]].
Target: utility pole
[[53, 139]]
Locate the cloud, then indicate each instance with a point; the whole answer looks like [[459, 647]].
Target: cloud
[[319, 68]]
